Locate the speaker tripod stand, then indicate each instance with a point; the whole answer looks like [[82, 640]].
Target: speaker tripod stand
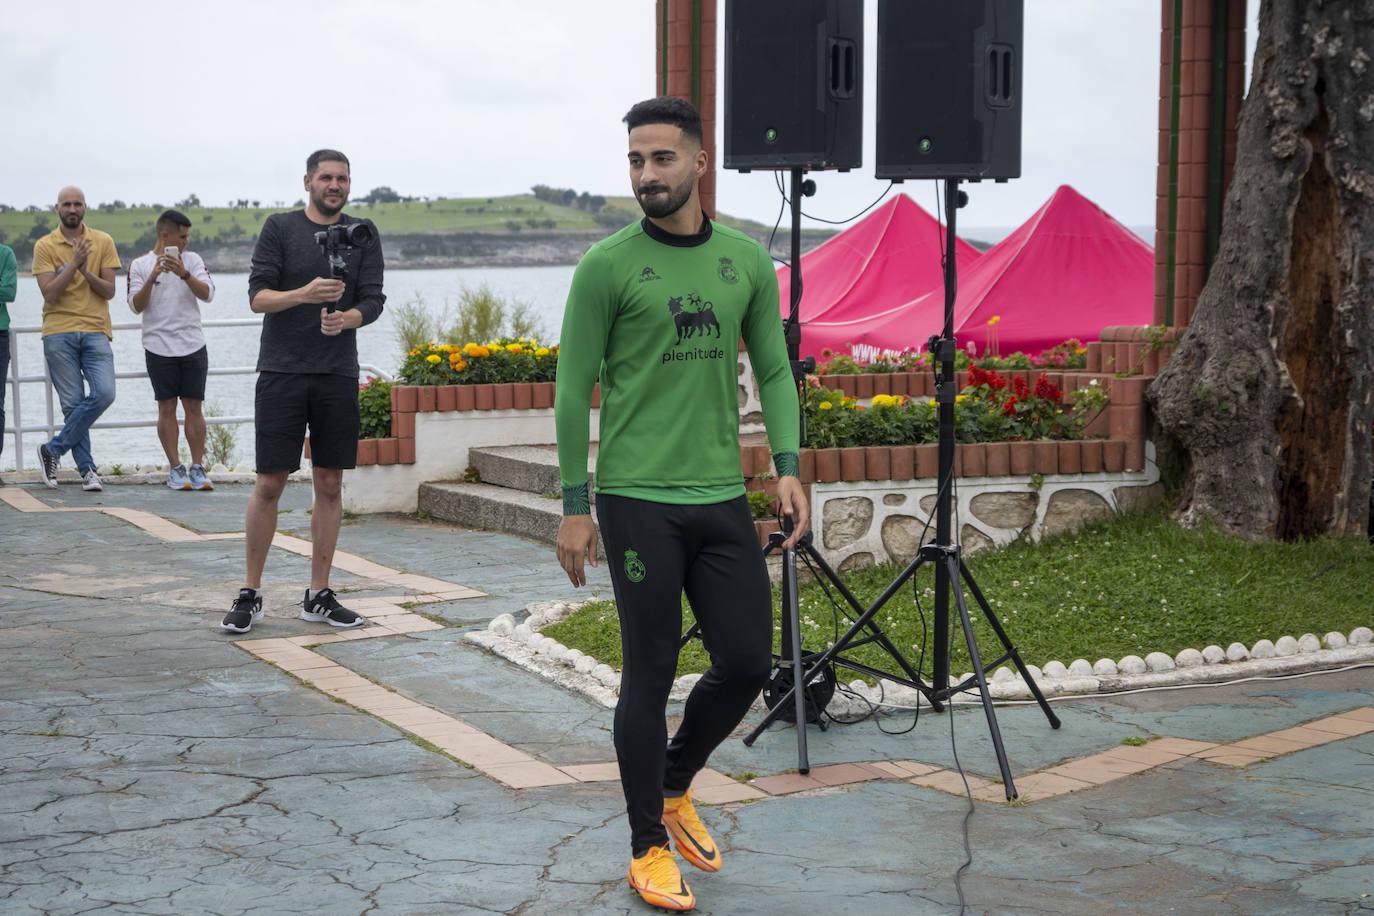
[[951, 574]]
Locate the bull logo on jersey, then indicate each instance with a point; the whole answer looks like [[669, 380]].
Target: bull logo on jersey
[[648, 274], [726, 271], [634, 567], [692, 316]]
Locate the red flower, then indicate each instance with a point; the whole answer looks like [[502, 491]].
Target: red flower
[[1046, 389], [1020, 387]]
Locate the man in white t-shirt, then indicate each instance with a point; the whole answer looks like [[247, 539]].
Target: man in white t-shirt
[[167, 286]]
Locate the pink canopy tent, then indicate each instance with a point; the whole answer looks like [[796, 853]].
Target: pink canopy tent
[[889, 257], [1068, 271]]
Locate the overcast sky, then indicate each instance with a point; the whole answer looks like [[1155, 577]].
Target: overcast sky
[[149, 102]]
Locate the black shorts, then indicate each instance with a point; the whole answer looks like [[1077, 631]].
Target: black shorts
[[287, 404], [178, 376]]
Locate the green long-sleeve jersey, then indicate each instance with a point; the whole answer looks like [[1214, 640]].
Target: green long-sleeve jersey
[[657, 318]]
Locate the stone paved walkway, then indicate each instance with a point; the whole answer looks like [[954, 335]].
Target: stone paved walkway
[[154, 764]]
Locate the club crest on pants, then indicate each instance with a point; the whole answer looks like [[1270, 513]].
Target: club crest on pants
[[634, 567]]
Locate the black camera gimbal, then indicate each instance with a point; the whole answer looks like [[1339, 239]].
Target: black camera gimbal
[[342, 237]]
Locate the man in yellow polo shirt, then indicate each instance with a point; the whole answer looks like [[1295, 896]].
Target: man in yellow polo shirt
[[75, 268]]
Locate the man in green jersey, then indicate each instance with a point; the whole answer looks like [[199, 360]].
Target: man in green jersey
[[655, 314]]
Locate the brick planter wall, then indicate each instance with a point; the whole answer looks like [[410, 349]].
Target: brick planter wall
[[408, 400]]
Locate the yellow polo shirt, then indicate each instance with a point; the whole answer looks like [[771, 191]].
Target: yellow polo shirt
[[79, 308]]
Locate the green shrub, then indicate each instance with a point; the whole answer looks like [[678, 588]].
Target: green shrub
[[374, 409], [414, 325], [220, 439], [484, 315]]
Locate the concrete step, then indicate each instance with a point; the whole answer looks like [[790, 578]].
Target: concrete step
[[495, 508], [530, 468]]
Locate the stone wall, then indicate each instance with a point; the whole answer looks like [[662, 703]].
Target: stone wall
[[863, 522]]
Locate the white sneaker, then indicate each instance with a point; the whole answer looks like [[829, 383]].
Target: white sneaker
[[91, 482], [178, 479]]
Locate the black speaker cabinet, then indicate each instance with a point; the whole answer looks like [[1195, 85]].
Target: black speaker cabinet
[[794, 84], [949, 89]]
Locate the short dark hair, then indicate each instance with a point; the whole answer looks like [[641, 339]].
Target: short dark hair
[[170, 218], [312, 162], [667, 109]]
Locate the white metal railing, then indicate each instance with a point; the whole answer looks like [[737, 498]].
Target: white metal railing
[[17, 379]]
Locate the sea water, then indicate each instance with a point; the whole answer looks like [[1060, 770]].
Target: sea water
[[544, 289]]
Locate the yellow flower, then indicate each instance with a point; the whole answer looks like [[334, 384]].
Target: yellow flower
[[493, 347], [960, 398], [432, 358], [1081, 350], [824, 405], [516, 348], [542, 352], [481, 351], [994, 319]]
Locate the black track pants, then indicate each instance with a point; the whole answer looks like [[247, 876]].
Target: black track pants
[[656, 551]]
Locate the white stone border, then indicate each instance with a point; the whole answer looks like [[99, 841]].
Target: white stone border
[[523, 644]]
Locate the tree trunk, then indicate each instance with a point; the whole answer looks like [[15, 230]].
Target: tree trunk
[[1269, 392]]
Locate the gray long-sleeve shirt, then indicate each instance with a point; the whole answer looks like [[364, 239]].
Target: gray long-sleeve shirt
[[287, 257]]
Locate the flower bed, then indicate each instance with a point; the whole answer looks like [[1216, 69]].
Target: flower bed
[[432, 427], [990, 408], [506, 359]]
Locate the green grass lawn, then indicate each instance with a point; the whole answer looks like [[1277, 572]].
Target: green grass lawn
[[1133, 585]]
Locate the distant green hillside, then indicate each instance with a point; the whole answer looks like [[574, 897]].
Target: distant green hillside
[[133, 227]]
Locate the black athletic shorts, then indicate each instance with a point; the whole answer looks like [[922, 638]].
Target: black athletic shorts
[[178, 376], [287, 405]]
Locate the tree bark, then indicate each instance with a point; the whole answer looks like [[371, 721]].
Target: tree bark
[[1269, 392]]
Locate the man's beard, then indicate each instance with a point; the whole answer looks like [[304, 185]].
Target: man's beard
[[324, 208], [71, 220], [667, 205]]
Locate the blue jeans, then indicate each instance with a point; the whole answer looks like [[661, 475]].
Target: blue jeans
[[4, 377], [71, 356]]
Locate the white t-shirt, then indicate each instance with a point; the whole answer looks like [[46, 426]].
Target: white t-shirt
[[171, 322]]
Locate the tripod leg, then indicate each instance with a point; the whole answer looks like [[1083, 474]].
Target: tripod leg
[[996, 625], [792, 607], [954, 566], [876, 633]]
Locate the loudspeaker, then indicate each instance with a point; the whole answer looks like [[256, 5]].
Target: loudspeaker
[[794, 84], [949, 89]]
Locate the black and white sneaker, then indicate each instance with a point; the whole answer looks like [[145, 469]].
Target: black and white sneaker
[[47, 466], [325, 608], [246, 611]]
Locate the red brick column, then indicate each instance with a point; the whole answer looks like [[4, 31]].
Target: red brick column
[[1185, 159], [685, 32]]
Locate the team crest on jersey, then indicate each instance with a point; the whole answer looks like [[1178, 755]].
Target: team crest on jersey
[[634, 567], [693, 317], [648, 274], [727, 271]]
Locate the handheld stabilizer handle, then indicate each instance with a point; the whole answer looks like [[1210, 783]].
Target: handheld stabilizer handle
[[339, 238]]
